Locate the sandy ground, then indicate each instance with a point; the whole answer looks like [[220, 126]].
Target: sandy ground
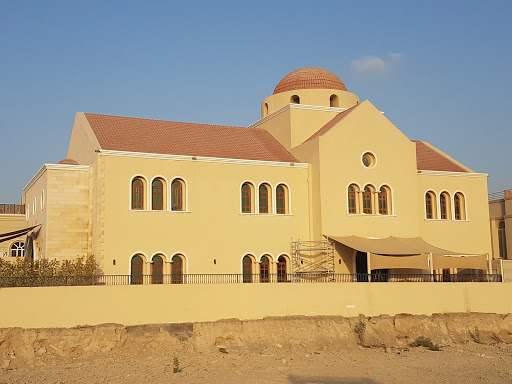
[[457, 363]]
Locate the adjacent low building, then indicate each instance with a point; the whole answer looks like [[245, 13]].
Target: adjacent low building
[[322, 183], [12, 237]]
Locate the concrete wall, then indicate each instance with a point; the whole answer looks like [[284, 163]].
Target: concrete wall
[[58, 199], [131, 305]]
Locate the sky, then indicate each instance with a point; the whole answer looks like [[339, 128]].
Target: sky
[[439, 70]]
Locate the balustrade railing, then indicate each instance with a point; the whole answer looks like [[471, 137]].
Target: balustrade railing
[[12, 209], [40, 281]]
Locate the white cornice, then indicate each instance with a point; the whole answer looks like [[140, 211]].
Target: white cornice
[[202, 159], [453, 174], [296, 106], [45, 167]]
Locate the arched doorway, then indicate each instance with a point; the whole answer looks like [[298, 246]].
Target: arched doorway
[[281, 269], [264, 270], [157, 270], [247, 269], [177, 270], [137, 270]]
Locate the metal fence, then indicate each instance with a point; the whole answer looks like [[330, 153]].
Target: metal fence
[[48, 281], [496, 195], [12, 209]]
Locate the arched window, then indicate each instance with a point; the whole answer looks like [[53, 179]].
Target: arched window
[[264, 195], [430, 205], [17, 249], [281, 269], [334, 101], [459, 206], [264, 269], [384, 201], [295, 99], [137, 193], [367, 200], [177, 270], [247, 269], [177, 195], [157, 270], [265, 110], [246, 193], [157, 195], [137, 270], [282, 195], [444, 205], [352, 199]]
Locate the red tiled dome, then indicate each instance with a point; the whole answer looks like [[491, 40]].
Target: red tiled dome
[[309, 78], [68, 161]]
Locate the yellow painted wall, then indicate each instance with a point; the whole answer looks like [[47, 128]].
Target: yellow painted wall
[[212, 227], [72, 306], [366, 129], [83, 142], [296, 123], [458, 235]]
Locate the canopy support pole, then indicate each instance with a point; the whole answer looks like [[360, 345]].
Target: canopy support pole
[[368, 266], [430, 267]]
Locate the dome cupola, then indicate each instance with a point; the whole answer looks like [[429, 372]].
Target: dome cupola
[[309, 87], [309, 78]]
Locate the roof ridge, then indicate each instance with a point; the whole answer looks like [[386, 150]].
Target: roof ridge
[[167, 121]]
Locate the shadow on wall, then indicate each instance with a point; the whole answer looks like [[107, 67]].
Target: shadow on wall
[[328, 380]]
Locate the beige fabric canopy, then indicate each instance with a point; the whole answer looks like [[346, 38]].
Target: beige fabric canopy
[[394, 246], [472, 262], [385, 262], [402, 252]]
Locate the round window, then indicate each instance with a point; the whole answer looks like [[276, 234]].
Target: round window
[[368, 160]]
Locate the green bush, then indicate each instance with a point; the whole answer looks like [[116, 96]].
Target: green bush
[[360, 330], [425, 342], [28, 273]]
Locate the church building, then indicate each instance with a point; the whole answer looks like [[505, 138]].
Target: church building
[[322, 184]]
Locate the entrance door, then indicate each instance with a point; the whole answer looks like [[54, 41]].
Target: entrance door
[[361, 266]]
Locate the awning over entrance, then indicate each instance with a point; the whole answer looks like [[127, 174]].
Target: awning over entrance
[[12, 235], [399, 252], [393, 246]]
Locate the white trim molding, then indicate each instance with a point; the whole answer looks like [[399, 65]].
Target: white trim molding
[[202, 159], [296, 106], [454, 174]]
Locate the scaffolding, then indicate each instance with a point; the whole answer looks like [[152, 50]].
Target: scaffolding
[[313, 256]]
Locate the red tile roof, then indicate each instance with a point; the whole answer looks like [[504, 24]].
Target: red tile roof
[[175, 138], [309, 78], [429, 158], [331, 123]]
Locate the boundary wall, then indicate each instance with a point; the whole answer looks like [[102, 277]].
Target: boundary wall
[[46, 307]]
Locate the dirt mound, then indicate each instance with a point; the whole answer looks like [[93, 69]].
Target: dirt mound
[[20, 347]]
